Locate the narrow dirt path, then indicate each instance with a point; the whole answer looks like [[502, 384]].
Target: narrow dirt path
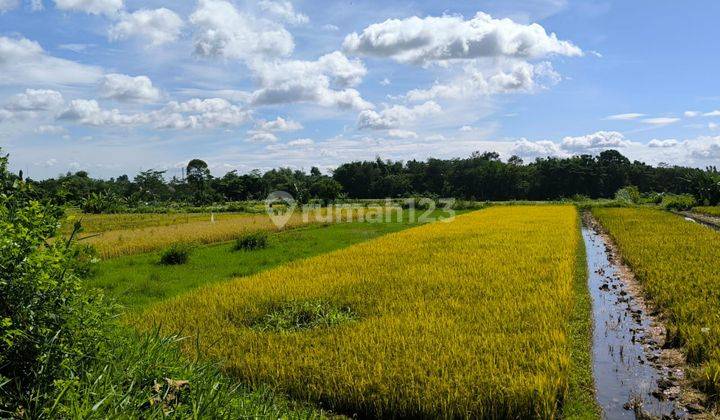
[[710, 221], [635, 377]]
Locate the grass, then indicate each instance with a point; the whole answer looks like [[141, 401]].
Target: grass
[[465, 319], [678, 263], [709, 210], [145, 376], [581, 403], [138, 280]]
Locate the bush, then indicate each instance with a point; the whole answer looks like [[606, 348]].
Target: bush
[[678, 202], [48, 322], [629, 194], [251, 241], [175, 255]]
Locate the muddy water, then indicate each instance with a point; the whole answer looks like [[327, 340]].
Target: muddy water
[[623, 352]]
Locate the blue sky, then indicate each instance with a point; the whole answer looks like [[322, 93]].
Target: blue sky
[[116, 86]]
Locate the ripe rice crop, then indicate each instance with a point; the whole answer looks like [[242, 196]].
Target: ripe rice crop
[[116, 243], [709, 210], [678, 263], [463, 319], [93, 223]]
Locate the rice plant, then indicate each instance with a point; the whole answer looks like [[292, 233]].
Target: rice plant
[[464, 319], [678, 263]]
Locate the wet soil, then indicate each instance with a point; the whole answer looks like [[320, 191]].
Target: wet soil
[[635, 377]]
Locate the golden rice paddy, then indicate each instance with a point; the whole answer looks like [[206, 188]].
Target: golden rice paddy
[[470, 318]]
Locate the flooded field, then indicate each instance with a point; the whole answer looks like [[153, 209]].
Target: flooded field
[[633, 377]]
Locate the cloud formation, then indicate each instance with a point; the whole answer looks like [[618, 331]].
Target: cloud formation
[[223, 31], [159, 26], [94, 7], [122, 87], [24, 62], [396, 116], [437, 39]]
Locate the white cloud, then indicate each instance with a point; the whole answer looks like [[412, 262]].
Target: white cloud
[[402, 134], [284, 10], [279, 124], [6, 5], [88, 112], [223, 31], [324, 82], [396, 116], [385, 82], [705, 148], [201, 113], [532, 149], [691, 114], [466, 128], [94, 7], [261, 137], [713, 126], [36, 5], [35, 100], [330, 27], [655, 143], [436, 39], [625, 117], [513, 76], [594, 141], [6, 115], [660, 120], [51, 129], [23, 61], [127, 88], [715, 113], [159, 26], [301, 143]]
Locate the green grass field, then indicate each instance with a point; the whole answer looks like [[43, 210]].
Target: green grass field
[[138, 280]]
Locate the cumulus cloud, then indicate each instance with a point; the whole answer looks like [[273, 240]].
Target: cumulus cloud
[[515, 76], [23, 61], [660, 120], [35, 100], [89, 112], [223, 31], [201, 113], [402, 134], [261, 137], [715, 113], [95, 7], [625, 117], [396, 116], [325, 81], [284, 10], [6, 5], [655, 143], [437, 39], [279, 124], [595, 141], [159, 26], [691, 114], [127, 88], [532, 149]]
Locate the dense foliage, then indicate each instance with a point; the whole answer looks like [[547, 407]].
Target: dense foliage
[[482, 176], [48, 323]]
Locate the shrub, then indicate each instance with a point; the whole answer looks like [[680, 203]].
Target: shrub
[[678, 202], [294, 316], [251, 241], [177, 254], [48, 322], [629, 194]]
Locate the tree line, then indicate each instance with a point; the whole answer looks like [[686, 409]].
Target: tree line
[[481, 176]]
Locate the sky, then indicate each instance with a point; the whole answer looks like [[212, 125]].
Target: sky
[[117, 86]]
